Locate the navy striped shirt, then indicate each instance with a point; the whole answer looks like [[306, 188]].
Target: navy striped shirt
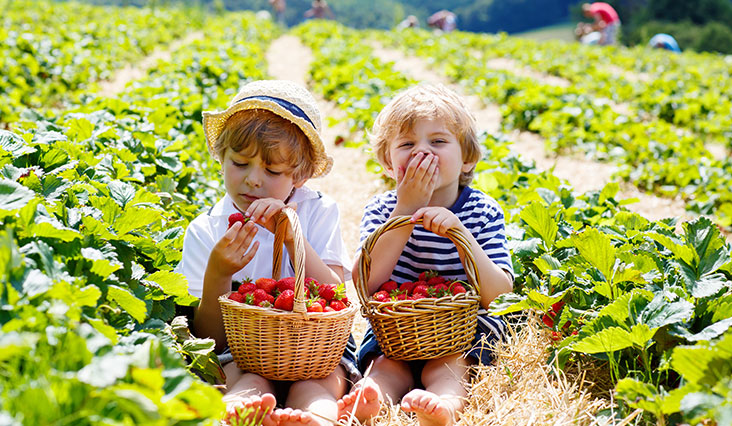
[[478, 212]]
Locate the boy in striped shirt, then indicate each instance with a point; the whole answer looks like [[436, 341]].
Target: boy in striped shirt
[[425, 139]]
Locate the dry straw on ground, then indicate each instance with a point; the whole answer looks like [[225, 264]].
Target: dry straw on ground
[[522, 389]]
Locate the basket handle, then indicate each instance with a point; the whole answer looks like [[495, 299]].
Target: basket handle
[[289, 217], [456, 235]]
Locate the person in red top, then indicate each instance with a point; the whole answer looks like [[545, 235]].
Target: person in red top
[[606, 21], [319, 9]]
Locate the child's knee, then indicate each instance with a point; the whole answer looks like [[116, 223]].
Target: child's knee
[[383, 364]]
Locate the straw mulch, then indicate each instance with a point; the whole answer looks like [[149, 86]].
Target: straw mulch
[[522, 389]]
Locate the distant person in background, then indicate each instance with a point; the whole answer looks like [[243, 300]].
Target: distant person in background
[[319, 9], [279, 7], [410, 21], [664, 41], [443, 20], [606, 21], [585, 34]]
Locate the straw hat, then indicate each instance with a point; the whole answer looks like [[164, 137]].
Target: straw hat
[[284, 98]]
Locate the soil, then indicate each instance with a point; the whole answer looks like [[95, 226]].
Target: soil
[[348, 183]]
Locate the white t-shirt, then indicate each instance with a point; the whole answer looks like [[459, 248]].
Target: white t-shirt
[[319, 220]]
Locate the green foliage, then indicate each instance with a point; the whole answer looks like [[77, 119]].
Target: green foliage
[[94, 204], [710, 37]]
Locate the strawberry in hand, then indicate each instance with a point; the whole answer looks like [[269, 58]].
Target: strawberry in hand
[[237, 217]]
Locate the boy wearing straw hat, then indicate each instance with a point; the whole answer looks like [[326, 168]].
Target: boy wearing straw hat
[[268, 144], [425, 139]]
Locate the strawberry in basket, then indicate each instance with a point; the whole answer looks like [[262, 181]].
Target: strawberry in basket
[[266, 293], [429, 285]]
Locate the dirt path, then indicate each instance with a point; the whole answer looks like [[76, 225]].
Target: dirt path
[[138, 71], [581, 173], [348, 183]]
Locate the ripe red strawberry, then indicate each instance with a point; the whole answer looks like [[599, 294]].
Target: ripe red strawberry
[[287, 283], [326, 291], [315, 307], [389, 286], [247, 287], [285, 300], [436, 280], [457, 289], [417, 296], [407, 287], [337, 305], [261, 295], [548, 321], [420, 289], [237, 217], [401, 296], [439, 290], [381, 296], [237, 297], [311, 284], [266, 284], [322, 302], [328, 309], [426, 275]]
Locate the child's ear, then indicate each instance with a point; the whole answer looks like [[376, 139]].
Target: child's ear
[[467, 167]]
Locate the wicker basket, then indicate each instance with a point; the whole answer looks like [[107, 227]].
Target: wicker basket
[[281, 345], [425, 328]]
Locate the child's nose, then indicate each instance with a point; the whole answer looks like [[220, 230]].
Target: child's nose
[[253, 180]]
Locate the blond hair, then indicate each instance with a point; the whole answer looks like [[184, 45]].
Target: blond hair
[[275, 139], [426, 102]]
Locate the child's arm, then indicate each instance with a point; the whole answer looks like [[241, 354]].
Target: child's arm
[[265, 212], [230, 254], [493, 280], [415, 186]]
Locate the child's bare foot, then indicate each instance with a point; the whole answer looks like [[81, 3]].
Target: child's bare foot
[[366, 407], [245, 409], [291, 417], [431, 409]]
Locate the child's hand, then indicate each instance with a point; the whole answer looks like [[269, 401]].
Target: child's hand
[[416, 184], [437, 220], [234, 250], [266, 211]]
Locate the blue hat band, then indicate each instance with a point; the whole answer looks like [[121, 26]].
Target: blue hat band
[[294, 109]]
